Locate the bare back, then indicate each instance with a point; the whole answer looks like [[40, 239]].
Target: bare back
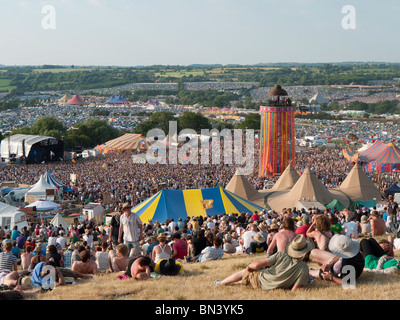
[[89, 267], [26, 259], [283, 237]]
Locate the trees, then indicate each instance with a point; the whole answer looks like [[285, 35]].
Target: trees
[[159, 119], [251, 121], [90, 133], [195, 121]]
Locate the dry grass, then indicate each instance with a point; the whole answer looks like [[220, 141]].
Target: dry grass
[[198, 284]]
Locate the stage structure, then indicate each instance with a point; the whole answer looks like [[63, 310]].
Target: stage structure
[[277, 136]]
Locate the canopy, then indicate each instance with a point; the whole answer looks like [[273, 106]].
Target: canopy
[[167, 204], [307, 188], [337, 204], [127, 142], [393, 189], [45, 205], [367, 204], [40, 187], [383, 158], [57, 220], [76, 100], [65, 98], [287, 180], [358, 186], [48, 177], [117, 100]]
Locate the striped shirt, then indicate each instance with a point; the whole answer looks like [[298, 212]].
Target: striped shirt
[[67, 259], [7, 261]]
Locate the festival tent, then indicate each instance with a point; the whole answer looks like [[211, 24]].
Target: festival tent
[[59, 220], [45, 205], [370, 153], [337, 204], [393, 189], [11, 216], [65, 98], [117, 100], [287, 180], [127, 142], [76, 100], [358, 186], [42, 190], [48, 177], [318, 99], [386, 160], [307, 188], [167, 204], [152, 103], [240, 186]]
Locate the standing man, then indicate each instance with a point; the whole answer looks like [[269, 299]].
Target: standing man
[[114, 228], [392, 208], [131, 226]]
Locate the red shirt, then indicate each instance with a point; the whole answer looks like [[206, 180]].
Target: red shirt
[[181, 248], [255, 217], [32, 244], [303, 229]]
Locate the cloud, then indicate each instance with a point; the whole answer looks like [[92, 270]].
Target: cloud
[[97, 2], [24, 4]]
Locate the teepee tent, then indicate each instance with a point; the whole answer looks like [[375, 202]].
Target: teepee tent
[[358, 186], [76, 100], [307, 188], [318, 99], [240, 186], [167, 204], [65, 98], [287, 180], [59, 220]]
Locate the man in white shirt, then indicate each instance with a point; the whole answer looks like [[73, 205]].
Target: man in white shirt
[[62, 241], [172, 225], [247, 237], [351, 228], [131, 226]]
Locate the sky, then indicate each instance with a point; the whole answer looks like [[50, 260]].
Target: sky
[[184, 32]]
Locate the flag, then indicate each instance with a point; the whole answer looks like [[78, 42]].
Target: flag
[[207, 204], [154, 180], [73, 160]]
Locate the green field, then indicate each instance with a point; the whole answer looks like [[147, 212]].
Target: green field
[[179, 73], [5, 85]]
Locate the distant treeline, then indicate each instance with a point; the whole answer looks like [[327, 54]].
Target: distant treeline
[[74, 78]]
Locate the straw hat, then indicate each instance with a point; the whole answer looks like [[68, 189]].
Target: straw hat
[[343, 246], [273, 226], [259, 238], [299, 247], [126, 206]]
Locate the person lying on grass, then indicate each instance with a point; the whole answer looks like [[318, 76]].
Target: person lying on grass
[[284, 270], [139, 268]]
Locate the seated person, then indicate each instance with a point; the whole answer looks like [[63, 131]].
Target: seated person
[[214, 252], [86, 265], [121, 260], [258, 245]]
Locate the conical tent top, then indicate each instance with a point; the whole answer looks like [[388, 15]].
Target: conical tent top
[[277, 91]]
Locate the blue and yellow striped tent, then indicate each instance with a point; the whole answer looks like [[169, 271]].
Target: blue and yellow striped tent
[[167, 204]]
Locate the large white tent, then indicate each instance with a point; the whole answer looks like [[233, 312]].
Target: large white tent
[[45, 205], [11, 216], [38, 190]]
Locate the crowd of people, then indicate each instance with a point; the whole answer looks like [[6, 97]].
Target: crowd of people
[[132, 249]]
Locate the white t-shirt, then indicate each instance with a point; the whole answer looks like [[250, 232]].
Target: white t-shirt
[[52, 241], [248, 238], [102, 261], [130, 226], [62, 241]]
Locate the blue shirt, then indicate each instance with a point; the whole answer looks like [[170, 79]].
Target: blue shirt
[[15, 234], [67, 259], [16, 252]]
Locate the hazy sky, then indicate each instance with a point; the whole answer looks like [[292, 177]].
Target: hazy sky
[[182, 32]]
